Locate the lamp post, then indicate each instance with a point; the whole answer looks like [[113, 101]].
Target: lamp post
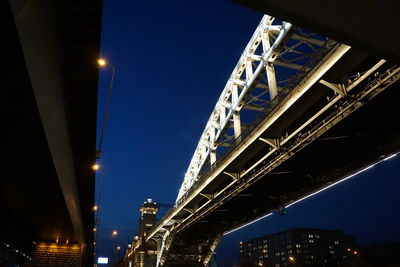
[[102, 63]]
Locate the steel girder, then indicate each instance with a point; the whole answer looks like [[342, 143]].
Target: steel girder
[[275, 52]]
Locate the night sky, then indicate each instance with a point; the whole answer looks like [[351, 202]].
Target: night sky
[[172, 60]]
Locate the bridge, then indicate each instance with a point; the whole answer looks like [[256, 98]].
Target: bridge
[[49, 108], [300, 113]]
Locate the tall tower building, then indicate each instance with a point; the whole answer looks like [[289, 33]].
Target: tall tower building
[[142, 253], [148, 211]]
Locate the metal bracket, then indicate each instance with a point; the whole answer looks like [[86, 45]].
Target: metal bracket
[[272, 142], [208, 196], [340, 89], [235, 176]]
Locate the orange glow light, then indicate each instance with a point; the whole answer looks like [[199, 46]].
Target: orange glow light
[[102, 62]]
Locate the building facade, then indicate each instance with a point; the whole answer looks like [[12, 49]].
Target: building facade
[[298, 247], [142, 253]]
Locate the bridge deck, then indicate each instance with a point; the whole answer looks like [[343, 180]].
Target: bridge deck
[[264, 178]]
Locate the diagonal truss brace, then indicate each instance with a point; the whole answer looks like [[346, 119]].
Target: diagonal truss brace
[[230, 102]]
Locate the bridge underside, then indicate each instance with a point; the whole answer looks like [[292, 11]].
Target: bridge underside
[[311, 160], [49, 112], [368, 25]]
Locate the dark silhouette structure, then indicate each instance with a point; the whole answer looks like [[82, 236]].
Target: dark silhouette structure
[[49, 108], [367, 25]]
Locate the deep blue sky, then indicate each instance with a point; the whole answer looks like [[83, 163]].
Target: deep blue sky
[[172, 60]]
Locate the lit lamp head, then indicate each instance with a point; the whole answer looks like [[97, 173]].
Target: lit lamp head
[[95, 167], [114, 233], [102, 62]]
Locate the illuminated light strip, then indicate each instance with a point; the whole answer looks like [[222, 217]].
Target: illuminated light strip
[[316, 192], [342, 180], [390, 157], [331, 185], [247, 224]]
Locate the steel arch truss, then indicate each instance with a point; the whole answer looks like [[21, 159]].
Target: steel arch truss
[[275, 54]]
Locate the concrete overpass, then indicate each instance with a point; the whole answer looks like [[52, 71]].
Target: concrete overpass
[[49, 109]]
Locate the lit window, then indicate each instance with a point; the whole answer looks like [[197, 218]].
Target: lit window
[[311, 241]]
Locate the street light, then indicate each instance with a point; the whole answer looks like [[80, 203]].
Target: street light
[[102, 63], [95, 167], [114, 233], [292, 260]]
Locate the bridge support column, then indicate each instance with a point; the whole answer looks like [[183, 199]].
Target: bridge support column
[[212, 249]]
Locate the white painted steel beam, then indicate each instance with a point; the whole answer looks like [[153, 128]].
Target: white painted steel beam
[[296, 94], [235, 91]]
